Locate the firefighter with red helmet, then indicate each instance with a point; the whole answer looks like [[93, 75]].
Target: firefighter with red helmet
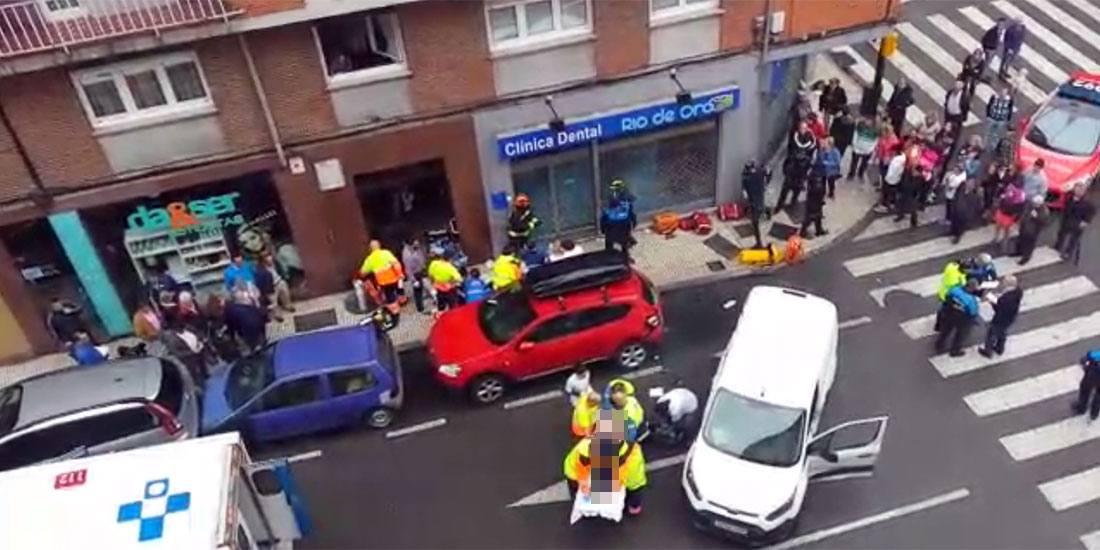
[[521, 222]]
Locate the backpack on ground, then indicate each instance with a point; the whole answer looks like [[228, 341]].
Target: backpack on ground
[[730, 211], [665, 223]]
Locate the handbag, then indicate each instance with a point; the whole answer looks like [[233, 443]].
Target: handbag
[[730, 211]]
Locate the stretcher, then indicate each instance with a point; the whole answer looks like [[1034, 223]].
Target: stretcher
[[609, 507]]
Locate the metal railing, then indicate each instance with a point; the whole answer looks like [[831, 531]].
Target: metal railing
[[31, 26]]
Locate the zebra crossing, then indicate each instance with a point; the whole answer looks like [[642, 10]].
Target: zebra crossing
[[901, 268], [1063, 36]]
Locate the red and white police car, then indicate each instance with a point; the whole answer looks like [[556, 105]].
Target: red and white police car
[[1065, 133]]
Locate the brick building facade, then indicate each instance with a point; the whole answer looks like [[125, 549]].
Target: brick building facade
[[320, 124]]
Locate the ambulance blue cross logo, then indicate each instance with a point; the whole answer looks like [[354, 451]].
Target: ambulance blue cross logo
[[151, 510]]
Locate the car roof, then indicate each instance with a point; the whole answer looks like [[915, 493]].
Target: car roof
[[322, 349], [772, 355], [78, 388], [628, 288]]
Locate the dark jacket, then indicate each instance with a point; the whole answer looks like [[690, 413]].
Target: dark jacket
[[1007, 306], [1014, 36], [246, 321], [65, 324], [754, 182], [1033, 221], [964, 100], [900, 100], [842, 130], [1077, 211], [991, 40], [966, 207], [615, 223], [972, 67], [832, 99], [815, 196]]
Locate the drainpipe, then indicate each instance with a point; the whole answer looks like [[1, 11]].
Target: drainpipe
[[40, 195], [764, 82], [258, 86]]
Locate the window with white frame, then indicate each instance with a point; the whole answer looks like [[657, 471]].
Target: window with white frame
[[359, 44], [61, 9], [670, 7], [516, 23], [147, 88]]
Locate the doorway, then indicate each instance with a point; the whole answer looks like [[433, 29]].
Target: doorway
[[405, 202]]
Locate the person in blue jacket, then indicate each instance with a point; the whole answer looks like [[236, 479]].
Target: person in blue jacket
[[981, 268], [475, 288], [961, 311], [828, 162], [1090, 386], [84, 352]]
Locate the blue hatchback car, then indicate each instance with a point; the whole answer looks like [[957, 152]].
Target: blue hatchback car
[[307, 383]]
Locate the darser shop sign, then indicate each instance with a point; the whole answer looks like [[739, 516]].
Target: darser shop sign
[[182, 217], [617, 125]]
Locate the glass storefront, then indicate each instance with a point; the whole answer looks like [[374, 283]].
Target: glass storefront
[[674, 169]]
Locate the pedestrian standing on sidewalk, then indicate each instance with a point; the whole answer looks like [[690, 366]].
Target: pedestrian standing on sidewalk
[[898, 105], [952, 181], [416, 265], [891, 181], [972, 69], [991, 42], [843, 130], [1013, 40], [864, 140], [908, 195], [1005, 308], [1035, 218], [828, 162], [815, 205], [1089, 389], [1010, 207], [833, 97], [1076, 216], [959, 315], [888, 143], [966, 210], [956, 104], [998, 114], [1034, 180]]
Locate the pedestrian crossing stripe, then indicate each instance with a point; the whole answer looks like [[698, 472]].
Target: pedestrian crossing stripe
[[865, 72], [1023, 345], [1088, 9], [1091, 540], [1005, 265], [933, 50], [1034, 298], [1049, 438], [1021, 393], [918, 77], [1066, 20], [886, 225], [994, 64], [1072, 490], [924, 250], [1039, 31], [1032, 57]]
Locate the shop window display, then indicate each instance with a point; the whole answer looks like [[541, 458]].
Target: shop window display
[[670, 170], [561, 192]]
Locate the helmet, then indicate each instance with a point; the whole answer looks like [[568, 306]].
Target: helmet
[[617, 184], [523, 200], [984, 258]]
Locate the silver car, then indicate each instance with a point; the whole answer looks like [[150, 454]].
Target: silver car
[[96, 409]]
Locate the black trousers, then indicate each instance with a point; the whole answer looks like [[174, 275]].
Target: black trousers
[[390, 292], [955, 324], [1025, 246], [793, 190], [1089, 388], [1069, 241], [634, 498], [830, 182], [417, 282], [858, 165], [807, 219], [995, 338]]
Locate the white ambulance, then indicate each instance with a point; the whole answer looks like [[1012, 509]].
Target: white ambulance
[[194, 494]]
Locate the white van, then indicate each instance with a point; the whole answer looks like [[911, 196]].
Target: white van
[[197, 493], [746, 473]]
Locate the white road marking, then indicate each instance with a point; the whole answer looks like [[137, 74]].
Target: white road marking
[[1072, 490], [634, 375], [1006, 265], [555, 394], [969, 44], [1087, 7], [1066, 20], [901, 511], [729, 304], [866, 72], [1022, 345], [917, 76], [1034, 298], [1091, 540], [1034, 58], [1028, 391], [559, 492], [431, 424], [855, 322], [886, 225], [1052, 437], [1042, 33], [945, 60], [300, 457], [924, 250]]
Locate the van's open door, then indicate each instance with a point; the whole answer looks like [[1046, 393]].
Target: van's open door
[[284, 513], [847, 450]]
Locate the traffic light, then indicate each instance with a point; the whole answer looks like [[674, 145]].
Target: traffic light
[[889, 44]]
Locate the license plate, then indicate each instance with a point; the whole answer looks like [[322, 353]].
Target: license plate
[[737, 529]]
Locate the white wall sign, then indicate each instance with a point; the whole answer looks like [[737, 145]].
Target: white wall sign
[[330, 174]]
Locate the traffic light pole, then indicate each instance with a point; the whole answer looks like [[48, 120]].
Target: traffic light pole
[[869, 106]]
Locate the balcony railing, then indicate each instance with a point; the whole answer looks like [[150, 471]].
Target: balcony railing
[[43, 25]]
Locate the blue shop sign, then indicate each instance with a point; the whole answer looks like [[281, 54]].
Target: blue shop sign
[[627, 123]]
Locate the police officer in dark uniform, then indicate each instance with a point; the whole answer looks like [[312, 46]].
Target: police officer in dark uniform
[[615, 226], [1090, 386], [815, 205], [521, 223], [754, 181]]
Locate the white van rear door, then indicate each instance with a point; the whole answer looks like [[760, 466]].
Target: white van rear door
[[284, 512], [847, 450]]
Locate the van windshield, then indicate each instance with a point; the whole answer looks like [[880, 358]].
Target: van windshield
[[755, 431]]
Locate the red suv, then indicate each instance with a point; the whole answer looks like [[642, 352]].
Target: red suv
[[586, 308]]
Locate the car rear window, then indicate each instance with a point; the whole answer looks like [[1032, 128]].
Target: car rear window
[[649, 292], [170, 394], [10, 399], [386, 354]]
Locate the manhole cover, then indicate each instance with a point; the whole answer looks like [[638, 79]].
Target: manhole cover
[[716, 265], [314, 321]]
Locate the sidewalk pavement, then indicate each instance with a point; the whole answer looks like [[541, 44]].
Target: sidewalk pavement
[[684, 259]]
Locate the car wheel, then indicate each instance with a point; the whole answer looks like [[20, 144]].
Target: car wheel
[[632, 355], [379, 418], [487, 388]]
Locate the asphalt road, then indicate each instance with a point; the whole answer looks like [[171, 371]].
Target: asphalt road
[[450, 486]]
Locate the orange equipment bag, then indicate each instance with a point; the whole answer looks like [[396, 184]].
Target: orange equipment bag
[[794, 249], [665, 223]]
